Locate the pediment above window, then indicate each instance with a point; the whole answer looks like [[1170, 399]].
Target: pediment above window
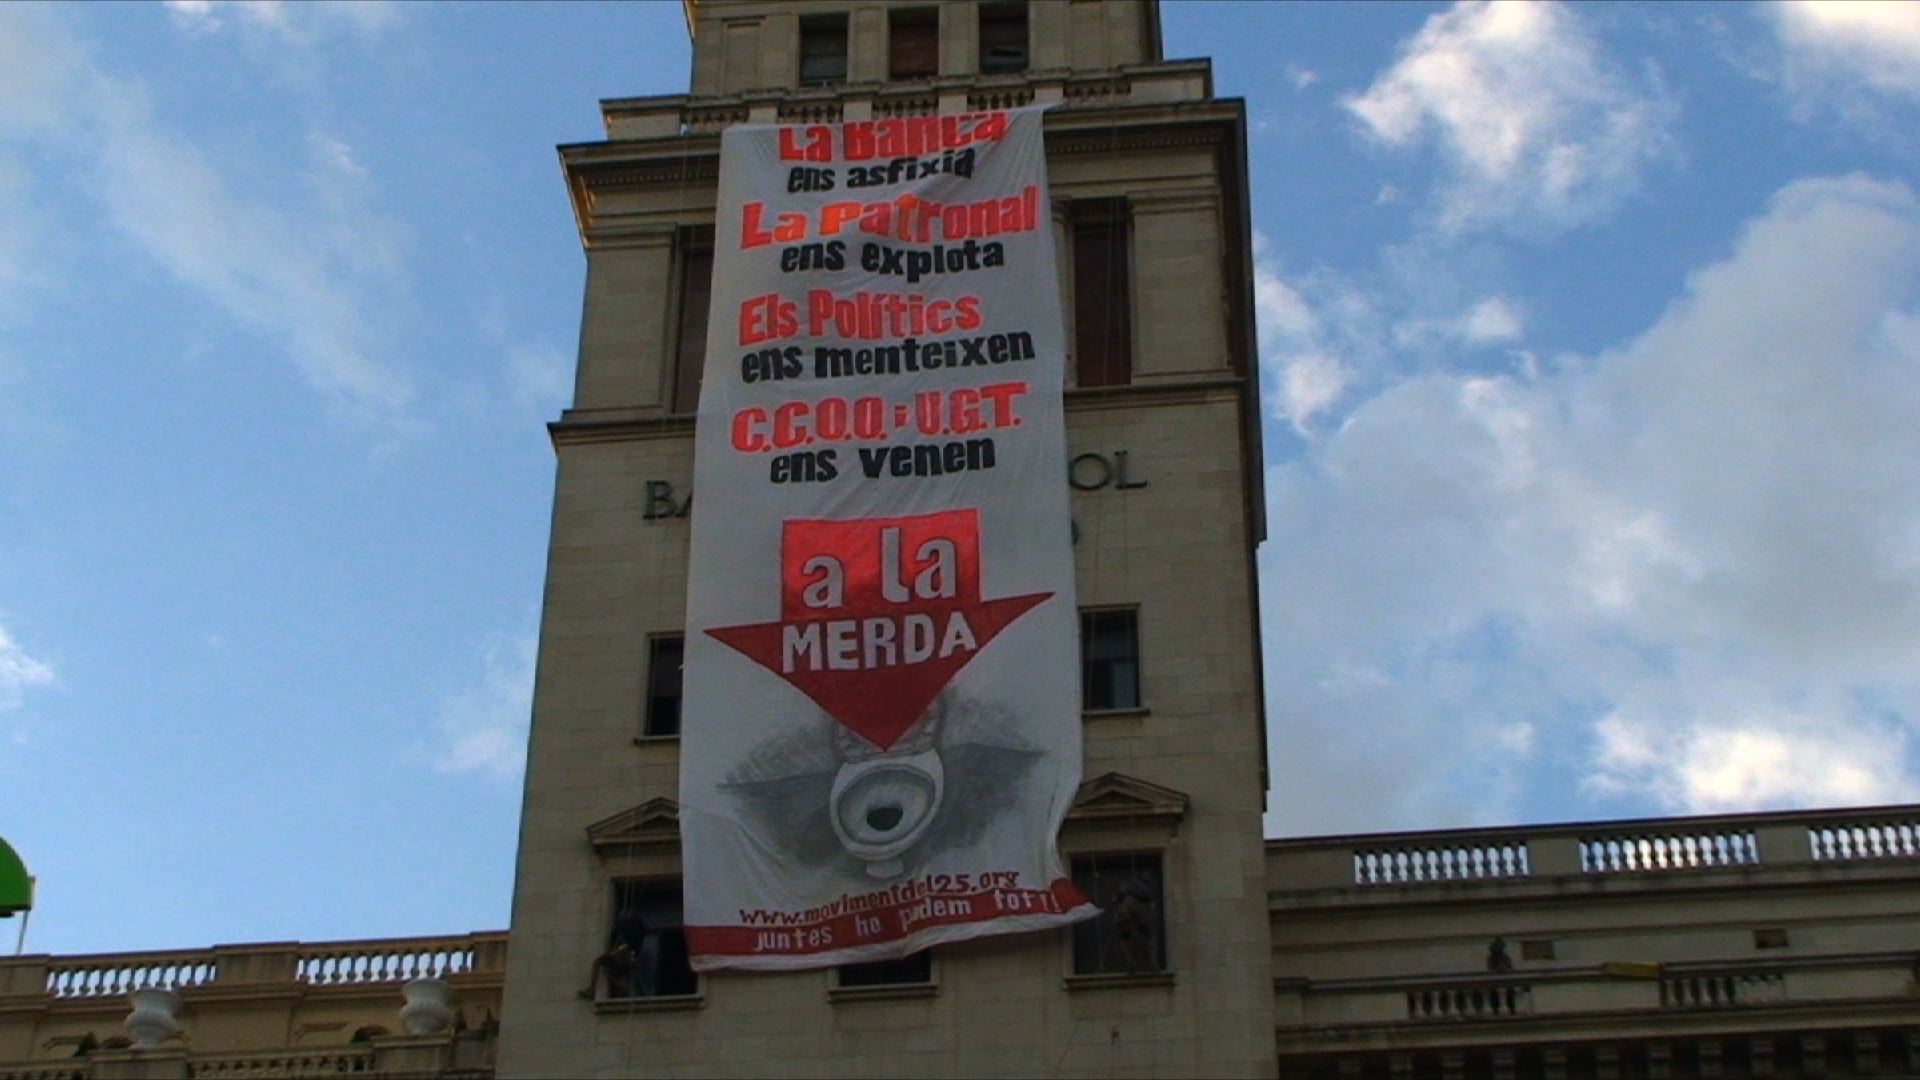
[[1117, 796], [652, 825]]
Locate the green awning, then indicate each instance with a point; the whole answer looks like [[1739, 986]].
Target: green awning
[[16, 889]]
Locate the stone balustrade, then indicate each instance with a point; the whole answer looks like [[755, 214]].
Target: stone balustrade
[[1595, 850], [668, 115], [388, 960], [331, 1061]]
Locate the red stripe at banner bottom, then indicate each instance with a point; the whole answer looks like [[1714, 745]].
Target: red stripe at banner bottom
[[769, 936]]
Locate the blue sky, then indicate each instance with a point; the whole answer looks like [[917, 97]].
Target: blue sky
[[1589, 349]]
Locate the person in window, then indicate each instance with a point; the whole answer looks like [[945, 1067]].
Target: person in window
[[1132, 911], [624, 962]]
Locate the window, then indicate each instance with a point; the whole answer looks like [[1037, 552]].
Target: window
[[1102, 293], [1109, 659], [646, 953], [913, 43], [1130, 935], [696, 292], [1003, 37], [912, 970], [664, 656], [823, 50]]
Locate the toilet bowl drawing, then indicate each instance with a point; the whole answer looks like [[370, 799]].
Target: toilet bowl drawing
[[883, 804]]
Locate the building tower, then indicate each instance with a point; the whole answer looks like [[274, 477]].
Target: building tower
[[1148, 177]]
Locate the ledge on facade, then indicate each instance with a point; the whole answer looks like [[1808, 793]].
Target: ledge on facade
[[652, 824], [891, 992], [1119, 981], [1397, 867], [657, 1003], [467, 1054], [667, 115]]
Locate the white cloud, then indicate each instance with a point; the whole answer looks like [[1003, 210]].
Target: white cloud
[[539, 377], [1779, 760], [285, 22], [304, 266], [18, 671], [1309, 384], [1496, 320], [1873, 42], [484, 728], [1537, 129], [1283, 317], [1311, 378], [1689, 566]]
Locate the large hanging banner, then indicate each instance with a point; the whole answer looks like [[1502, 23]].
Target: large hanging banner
[[882, 707]]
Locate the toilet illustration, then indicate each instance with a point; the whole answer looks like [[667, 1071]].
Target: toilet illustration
[[883, 802]]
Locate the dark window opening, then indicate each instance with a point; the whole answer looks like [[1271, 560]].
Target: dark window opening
[[664, 657], [913, 43], [646, 953], [823, 50], [696, 292], [1003, 37], [1130, 935], [1102, 293], [907, 971], [1109, 659]]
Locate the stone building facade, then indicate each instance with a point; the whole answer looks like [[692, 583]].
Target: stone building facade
[[1782, 944], [1148, 175]]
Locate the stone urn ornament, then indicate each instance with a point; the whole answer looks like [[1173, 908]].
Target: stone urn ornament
[[153, 1019], [429, 1007]]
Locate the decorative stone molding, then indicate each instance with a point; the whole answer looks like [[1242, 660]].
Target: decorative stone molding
[[1117, 796], [651, 826]]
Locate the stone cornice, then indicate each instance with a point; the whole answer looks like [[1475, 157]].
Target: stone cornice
[[594, 170]]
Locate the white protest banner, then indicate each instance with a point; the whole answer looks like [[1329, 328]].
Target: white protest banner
[[882, 707]]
